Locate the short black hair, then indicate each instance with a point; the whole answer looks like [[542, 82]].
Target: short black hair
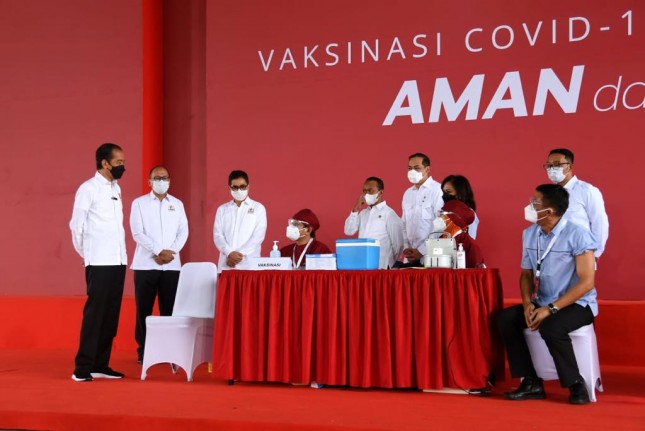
[[425, 159], [463, 189], [378, 181], [104, 152], [156, 167], [568, 154], [554, 196], [237, 174]]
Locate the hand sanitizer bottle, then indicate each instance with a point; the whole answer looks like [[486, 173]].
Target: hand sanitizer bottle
[[275, 252], [461, 257]]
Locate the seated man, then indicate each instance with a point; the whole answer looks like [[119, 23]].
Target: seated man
[[558, 294], [302, 230], [455, 217]]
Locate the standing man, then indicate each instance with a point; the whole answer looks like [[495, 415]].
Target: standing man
[[558, 294], [377, 221], [240, 225], [99, 238], [586, 206], [160, 229], [421, 203]]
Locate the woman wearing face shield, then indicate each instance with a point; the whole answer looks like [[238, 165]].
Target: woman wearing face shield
[[454, 218], [302, 230], [458, 187]]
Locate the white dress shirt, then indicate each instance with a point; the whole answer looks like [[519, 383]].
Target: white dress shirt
[[157, 225], [420, 207], [97, 223], [379, 222], [240, 229], [587, 208]]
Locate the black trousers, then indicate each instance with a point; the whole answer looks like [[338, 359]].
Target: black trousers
[[555, 333], [100, 317], [147, 286]]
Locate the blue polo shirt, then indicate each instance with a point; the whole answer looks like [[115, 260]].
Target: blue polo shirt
[[558, 269]]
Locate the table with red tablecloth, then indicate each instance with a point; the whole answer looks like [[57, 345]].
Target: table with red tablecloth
[[412, 328]]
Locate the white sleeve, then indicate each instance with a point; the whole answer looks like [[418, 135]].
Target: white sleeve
[[138, 231], [218, 233], [394, 227], [82, 204], [406, 243], [598, 220], [352, 223]]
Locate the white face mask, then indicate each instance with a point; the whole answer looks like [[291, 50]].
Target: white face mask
[[414, 176], [438, 224], [239, 195], [531, 215], [371, 199], [160, 187], [293, 233], [556, 175]]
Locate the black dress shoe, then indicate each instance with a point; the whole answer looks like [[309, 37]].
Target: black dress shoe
[[578, 393], [531, 388]]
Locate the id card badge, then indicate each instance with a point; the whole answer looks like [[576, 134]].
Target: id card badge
[[536, 283], [536, 286]]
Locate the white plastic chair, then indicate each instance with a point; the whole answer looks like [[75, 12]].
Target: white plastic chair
[[585, 349], [185, 339]]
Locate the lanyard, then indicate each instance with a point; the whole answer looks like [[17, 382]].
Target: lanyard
[[304, 250], [546, 252]]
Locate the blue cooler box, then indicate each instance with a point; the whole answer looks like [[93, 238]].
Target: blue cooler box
[[361, 253]]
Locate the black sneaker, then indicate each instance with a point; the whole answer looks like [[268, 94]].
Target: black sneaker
[[82, 377], [107, 373]]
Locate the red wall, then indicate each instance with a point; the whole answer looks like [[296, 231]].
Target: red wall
[[309, 136], [70, 79]]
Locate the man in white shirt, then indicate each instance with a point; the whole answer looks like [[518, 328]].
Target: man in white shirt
[[586, 205], [160, 228], [421, 203], [99, 238], [377, 221], [240, 225]]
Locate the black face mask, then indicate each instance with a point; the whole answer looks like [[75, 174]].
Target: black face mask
[[446, 197], [117, 171]]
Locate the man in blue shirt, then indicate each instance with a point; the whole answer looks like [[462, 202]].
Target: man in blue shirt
[[558, 294]]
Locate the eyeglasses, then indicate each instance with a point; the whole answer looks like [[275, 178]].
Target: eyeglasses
[[554, 165], [160, 178], [534, 203], [242, 187], [297, 223]]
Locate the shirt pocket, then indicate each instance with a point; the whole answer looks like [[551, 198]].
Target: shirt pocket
[[107, 208], [428, 212]]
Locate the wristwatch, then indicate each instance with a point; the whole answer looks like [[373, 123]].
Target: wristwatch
[[552, 308]]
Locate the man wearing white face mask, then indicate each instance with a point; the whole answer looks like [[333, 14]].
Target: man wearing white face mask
[[160, 228], [557, 291], [240, 225], [421, 203], [377, 221], [586, 205]]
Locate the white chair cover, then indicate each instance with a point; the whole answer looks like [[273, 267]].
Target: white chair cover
[[585, 349], [185, 339]]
